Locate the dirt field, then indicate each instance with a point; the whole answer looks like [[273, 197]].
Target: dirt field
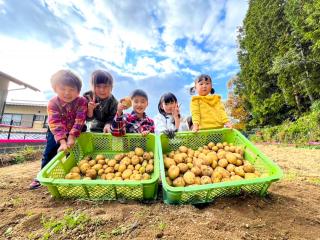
[[290, 211]]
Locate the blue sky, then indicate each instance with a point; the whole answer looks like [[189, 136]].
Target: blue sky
[[158, 46]]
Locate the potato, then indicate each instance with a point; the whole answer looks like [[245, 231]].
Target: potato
[[168, 162], [189, 178], [82, 162], [206, 170], [130, 154], [101, 161], [118, 178], [196, 170], [221, 154], [122, 167], [178, 158], [205, 180], [238, 156], [214, 164], [239, 171], [130, 167], [173, 172], [118, 174], [109, 176], [235, 178], [169, 181], [213, 156], [183, 167], [126, 174], [219, 145], [196, 153], [223, 162], [215, 148], [92, 173], [179, 182], [142, 170], [75, 170], [239, 162], [226, 148], [100, 156], [197, 180], [100, 172], [197, 162], [231, 158], [135, 160], [216, 180], [136, 176], [73, 176], [109, 170], [232, 149], [112, 163], [207, 160], [116, 167], [126, 161], [88, 158], [231, 167], [216, 175], [149, 168], [84, 167], [190, 165], [210, 145], [97, 167], [202, 155], [151, 154], [183, 149], [250, 176], [190, 152], [139, 151], [145, 176], [86, 178], [92, 162], [248, 168], [137, 167], [146, 156], [227, 179]]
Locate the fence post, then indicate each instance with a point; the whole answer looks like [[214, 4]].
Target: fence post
[[11, 122]]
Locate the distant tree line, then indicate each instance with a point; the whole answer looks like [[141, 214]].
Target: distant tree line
[[279, 57]]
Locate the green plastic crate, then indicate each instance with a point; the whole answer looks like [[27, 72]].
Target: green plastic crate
[[52, 175], [209, 192]]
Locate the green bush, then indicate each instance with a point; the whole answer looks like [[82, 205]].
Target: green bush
[[302, 131]]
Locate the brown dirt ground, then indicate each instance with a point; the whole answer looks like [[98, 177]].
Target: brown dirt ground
[[290, 211]]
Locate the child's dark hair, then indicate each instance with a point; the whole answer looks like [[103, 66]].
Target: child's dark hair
[[67, 78], [166, 98], [101, 77], [202, 77], [140, 93]]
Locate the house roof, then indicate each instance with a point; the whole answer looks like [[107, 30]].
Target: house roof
[[16, 81], [27, 103]]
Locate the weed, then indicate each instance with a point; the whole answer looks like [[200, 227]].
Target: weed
[[162, 226], [104, 236], [68, 222]]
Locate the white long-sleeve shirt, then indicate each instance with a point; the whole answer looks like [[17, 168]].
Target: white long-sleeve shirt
[[166, 123]]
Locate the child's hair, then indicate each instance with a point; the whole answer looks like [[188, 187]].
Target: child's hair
[[101, 77], [166, 98], [202, 77], [140, 93], [67, 78]]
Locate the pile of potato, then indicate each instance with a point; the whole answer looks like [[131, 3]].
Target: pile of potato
[[211, 163], [134, 165]]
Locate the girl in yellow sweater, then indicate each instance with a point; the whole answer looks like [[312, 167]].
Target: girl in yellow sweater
[[207, 110]]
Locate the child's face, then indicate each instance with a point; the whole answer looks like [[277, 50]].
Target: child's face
[[66, 93], [169, 107], [139, 104], [203, 87], [102, 90]]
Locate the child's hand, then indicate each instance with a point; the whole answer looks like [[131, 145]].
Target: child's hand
[[107, 128], [176, 112], [71, 141], [92, 103], [228, 125], [120, 108], [144, 133], [195, 128], [63, 146]]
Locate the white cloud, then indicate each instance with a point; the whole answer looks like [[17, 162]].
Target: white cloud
[[32, 61]]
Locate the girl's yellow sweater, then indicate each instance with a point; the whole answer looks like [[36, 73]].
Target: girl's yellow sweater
[[208, 111]]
